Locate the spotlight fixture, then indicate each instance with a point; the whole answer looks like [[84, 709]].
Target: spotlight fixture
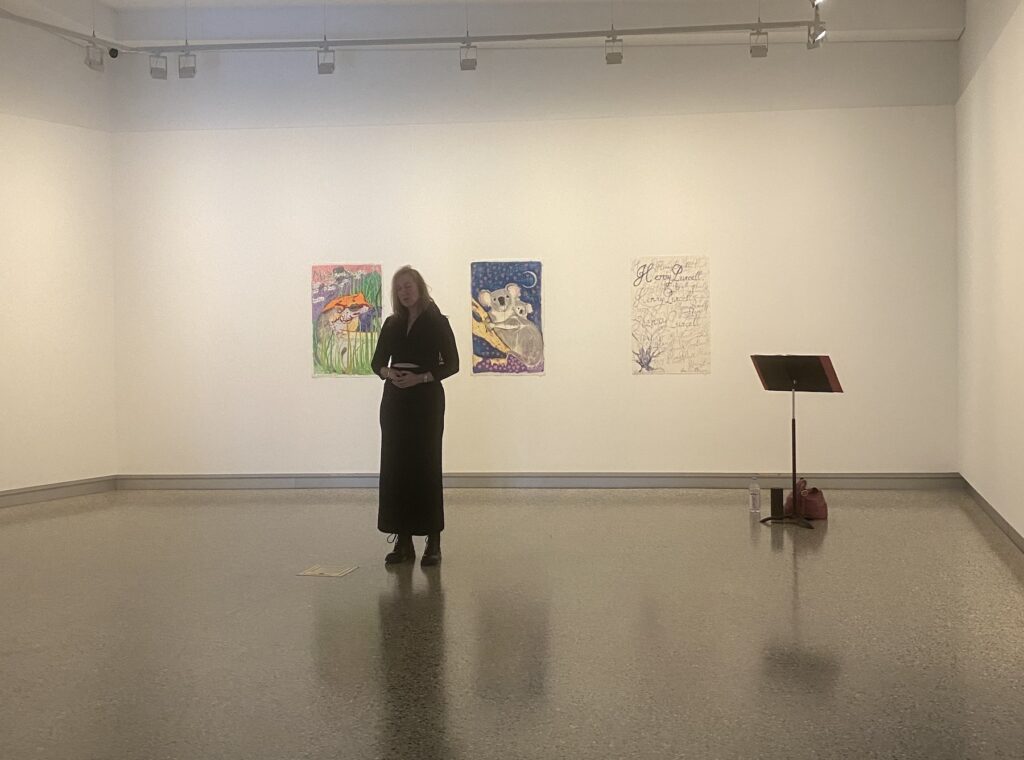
[[158, 66], [613, 50], [816, 3], [325, 61], [467, 57], [94, 57], [816, 32], [187, 66], [759, 44]]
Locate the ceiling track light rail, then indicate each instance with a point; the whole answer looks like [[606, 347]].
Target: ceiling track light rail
[[814, 28], [483, 39]]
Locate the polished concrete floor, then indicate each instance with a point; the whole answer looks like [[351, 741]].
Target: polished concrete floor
[[561, 624]]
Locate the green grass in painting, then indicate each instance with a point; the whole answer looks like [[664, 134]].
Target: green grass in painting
[[347, 354], [370, 285]]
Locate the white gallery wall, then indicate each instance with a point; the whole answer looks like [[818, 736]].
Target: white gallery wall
[[820, 185], [855, 259], [991, 262], [56, 265], [829, 229]]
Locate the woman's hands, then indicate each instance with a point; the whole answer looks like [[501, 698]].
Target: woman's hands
[[404, 379]]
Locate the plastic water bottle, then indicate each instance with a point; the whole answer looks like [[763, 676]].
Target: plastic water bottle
[[755, 496]]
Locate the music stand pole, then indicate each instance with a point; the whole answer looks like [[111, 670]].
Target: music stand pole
[[797, 518], [792, 435], [798, 511]]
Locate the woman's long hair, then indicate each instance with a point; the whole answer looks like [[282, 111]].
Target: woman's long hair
[[421, 284]]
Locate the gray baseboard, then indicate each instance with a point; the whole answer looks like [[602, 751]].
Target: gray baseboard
[[995, 517], [607, 480], [242, 482], [68, 490], [604, 480]]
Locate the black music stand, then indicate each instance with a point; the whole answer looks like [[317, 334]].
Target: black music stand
[[807, 374]]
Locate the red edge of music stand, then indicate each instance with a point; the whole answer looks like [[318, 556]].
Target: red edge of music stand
[[830, 373]]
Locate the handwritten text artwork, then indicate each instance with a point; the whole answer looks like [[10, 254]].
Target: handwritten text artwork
[[671, 316]]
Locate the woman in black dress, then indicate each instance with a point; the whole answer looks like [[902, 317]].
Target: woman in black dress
[[416, 351]]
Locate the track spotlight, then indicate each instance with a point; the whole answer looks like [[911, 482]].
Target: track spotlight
[[467, 57], [613, 50], [187, 66], [158, 66], [94, 57], [325, 61], [816, 33], [759, 44]]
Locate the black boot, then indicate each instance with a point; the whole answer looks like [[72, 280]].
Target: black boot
[[404, 551], [432, 554]]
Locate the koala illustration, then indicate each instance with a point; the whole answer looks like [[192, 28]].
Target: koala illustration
[[510, 320]]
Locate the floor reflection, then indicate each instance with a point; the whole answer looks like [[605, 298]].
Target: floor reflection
[[788, 661], [412, 661], [512, 662]]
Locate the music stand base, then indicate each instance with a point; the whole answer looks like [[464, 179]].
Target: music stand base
[[788, 520]]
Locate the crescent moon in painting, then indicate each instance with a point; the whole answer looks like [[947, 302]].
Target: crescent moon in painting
[[535, 280]]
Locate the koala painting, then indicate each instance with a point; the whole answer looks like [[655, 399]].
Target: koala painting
[[508, 337], [509, 318]]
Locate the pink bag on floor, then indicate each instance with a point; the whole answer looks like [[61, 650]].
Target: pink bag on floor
[[812, 502]]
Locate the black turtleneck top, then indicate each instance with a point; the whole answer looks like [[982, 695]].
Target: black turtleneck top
[[429, 345]]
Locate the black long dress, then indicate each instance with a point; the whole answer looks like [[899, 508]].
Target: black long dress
[[412, 423]]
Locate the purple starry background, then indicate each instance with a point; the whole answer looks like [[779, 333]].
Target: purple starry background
[[494, 275]]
